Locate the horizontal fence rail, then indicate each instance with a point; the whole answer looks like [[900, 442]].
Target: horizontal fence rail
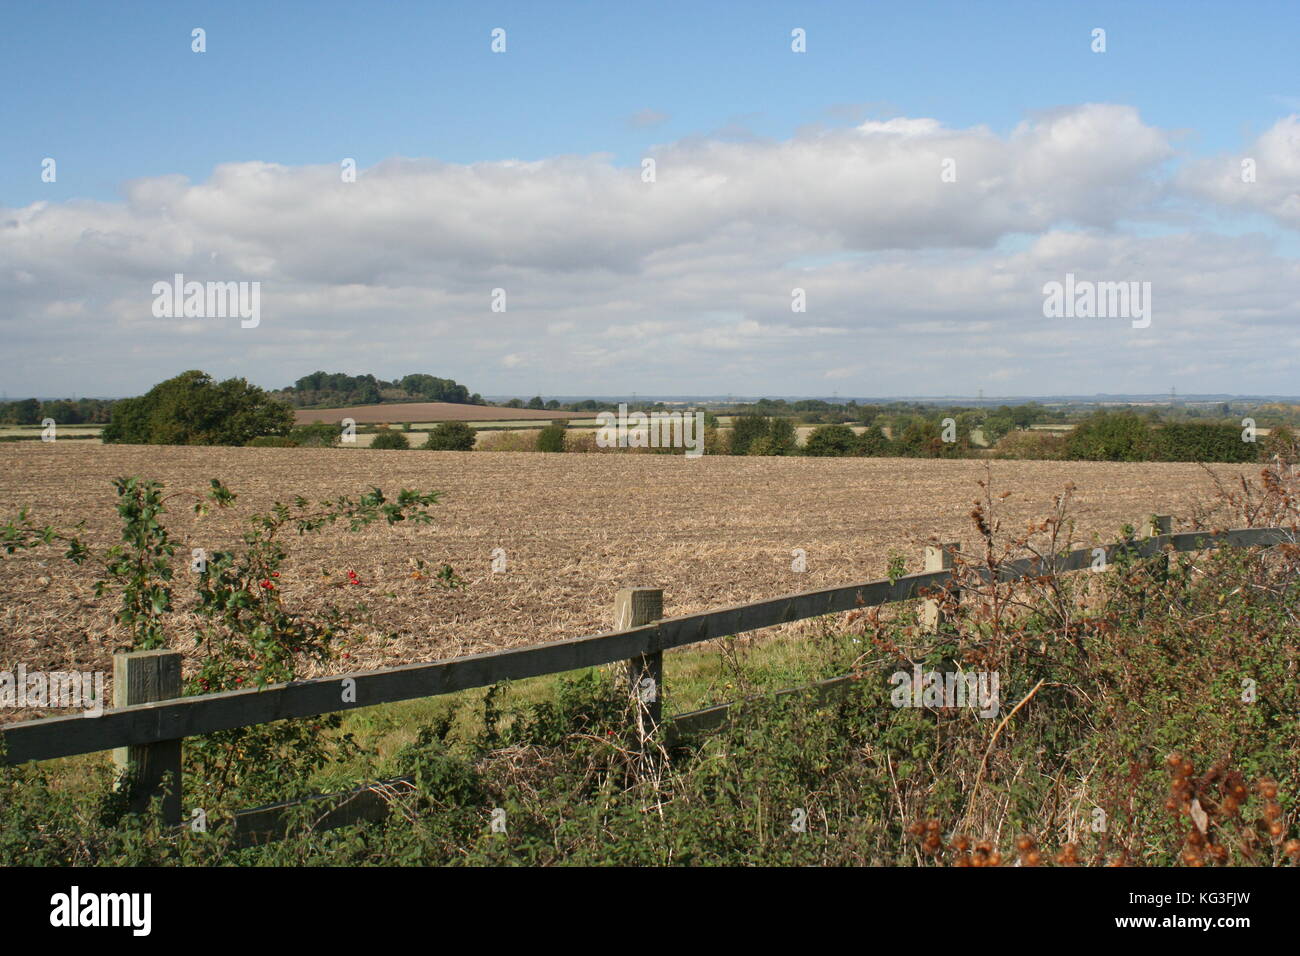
[[177, 718]]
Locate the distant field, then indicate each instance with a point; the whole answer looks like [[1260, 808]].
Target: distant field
[[34, 431], [713, 531], [428, 412]]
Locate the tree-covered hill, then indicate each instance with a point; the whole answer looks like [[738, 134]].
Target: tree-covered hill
[[332, 389]]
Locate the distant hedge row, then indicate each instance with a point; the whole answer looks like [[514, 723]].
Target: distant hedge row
[[1105, 436], [1123, 436]]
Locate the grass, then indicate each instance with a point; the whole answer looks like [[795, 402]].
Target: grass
[[694, 677]]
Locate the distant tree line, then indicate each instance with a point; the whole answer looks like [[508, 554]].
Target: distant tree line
[[1103, 436], [65, 411], [1124, 436], [336, 389]]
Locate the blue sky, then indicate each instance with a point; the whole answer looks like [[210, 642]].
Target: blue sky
[[116, 91], [116, 95]]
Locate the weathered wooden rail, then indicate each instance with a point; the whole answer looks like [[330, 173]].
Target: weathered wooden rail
[[147, 736]]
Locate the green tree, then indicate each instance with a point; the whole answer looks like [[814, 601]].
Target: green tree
[[831, 441], [390, 440], [451, 436], [1110, 436], [27, 412], [781, 436], [551, 438], [873, 444], [745, 429], [1202, 441], [536, 402], [316, 435], [193, 409]]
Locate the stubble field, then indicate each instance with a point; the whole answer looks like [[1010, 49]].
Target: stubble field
[[710, 531]]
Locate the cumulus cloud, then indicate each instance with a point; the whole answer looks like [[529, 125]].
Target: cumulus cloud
[[1265, 178], [922, 250]]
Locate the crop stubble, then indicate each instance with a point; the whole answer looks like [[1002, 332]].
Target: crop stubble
[[711, 531]]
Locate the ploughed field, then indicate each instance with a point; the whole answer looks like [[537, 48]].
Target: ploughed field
[[575, 528]]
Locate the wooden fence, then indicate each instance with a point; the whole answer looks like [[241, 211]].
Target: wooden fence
[[150, 718]]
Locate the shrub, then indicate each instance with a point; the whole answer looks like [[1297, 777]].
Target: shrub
[[193, 409], [272, 441], [1110, 436], [773, 436], [1202, 441], [316, 435], [923, 438], [451, 436], [744, 430], [831, 441], [509, 440], [583, 441], [873, 444], [781, 436], [390, 440], [1281, 443], [551, 438], [1031, 445], [248, 634]]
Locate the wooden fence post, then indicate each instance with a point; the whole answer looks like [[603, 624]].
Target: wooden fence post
[[1158, 525], [634, 607], [937, 558], [141, 677]]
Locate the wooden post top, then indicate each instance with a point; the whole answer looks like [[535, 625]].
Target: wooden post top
[[634, 607], [938, 557]]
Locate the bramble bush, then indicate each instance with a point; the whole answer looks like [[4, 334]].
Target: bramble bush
[[247, 634]]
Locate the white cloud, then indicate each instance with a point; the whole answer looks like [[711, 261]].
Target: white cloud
[[1275, 189], [683, 284]]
